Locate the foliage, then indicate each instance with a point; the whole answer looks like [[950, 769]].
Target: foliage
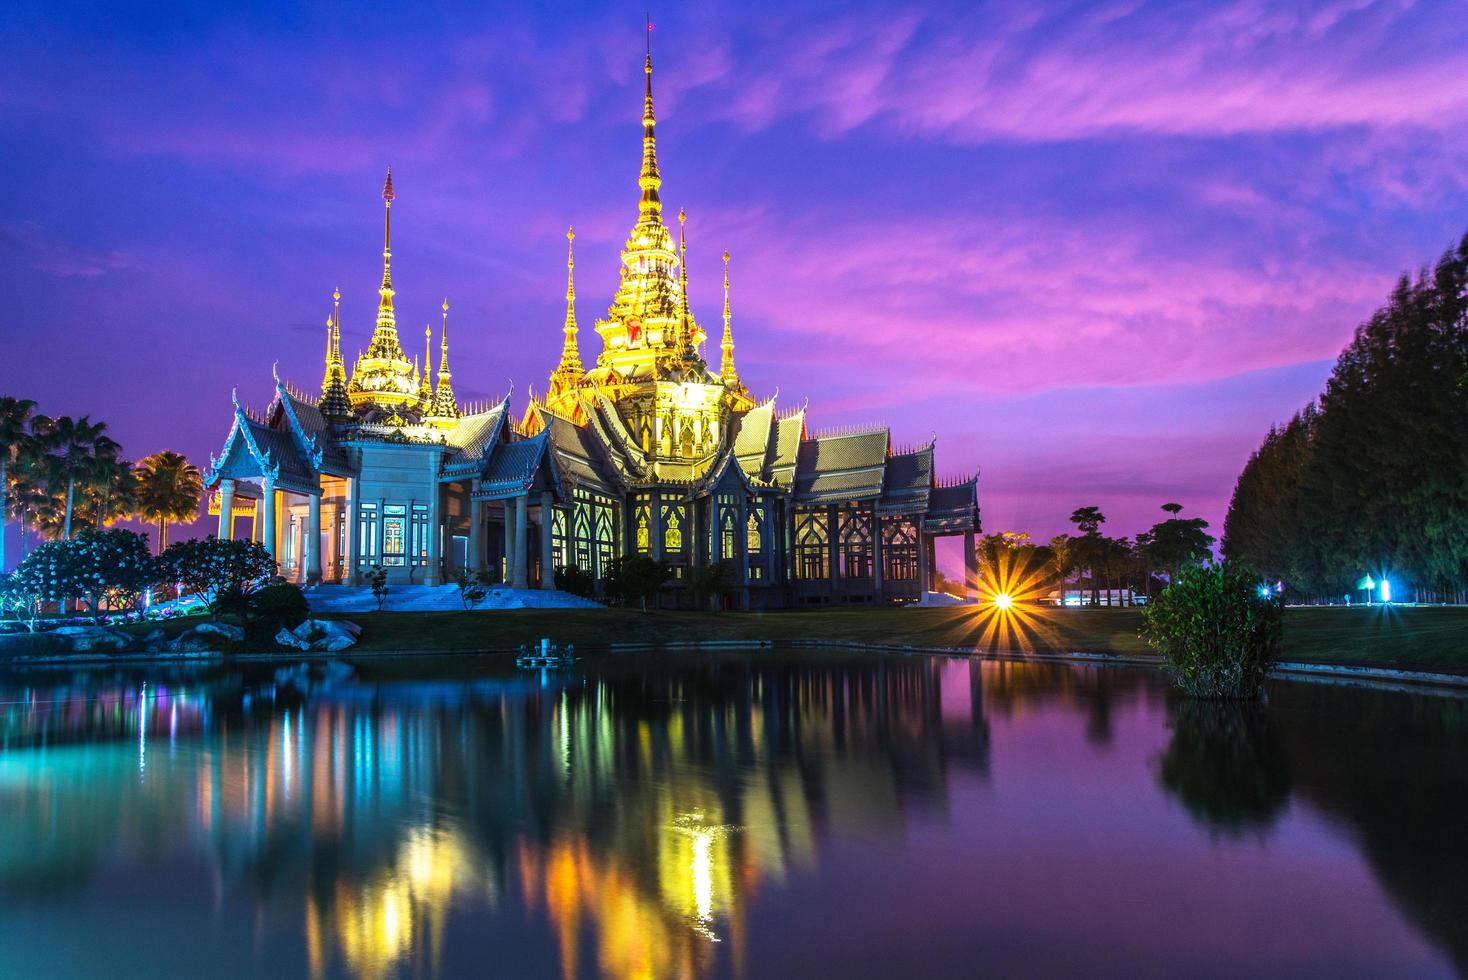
[[15, 443], [1175, 542], [80, 451], [1373, 479], [168, 490], [112, 568], [377, 578], [711, 582], [21, 597], [221, 574], [1009, 562], [575, 580], [472, 588], [635, 576], [1218, 632], [280, 604]]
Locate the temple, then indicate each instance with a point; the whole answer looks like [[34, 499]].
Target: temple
[[649, 450]]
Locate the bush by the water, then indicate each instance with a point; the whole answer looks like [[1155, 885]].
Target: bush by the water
[[280, 605], [575, 580], [1217, 630]]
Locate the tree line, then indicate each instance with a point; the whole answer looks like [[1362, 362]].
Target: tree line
[[1100, 569], [1371, 479], [60, 475]]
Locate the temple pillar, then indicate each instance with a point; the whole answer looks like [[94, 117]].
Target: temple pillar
[[507, 570], [433, 573], [833, 545], [226, 509], [267, 507], [547, 550], [970, 568], [922, 556], [476, 536], [741, 548], [877, 552], [312, 552], [522, 578], [354, 525], [655, 527]]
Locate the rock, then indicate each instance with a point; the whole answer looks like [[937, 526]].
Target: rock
[[156, 636], [207, 636], [290, 641], [95, 639], [324, 634]]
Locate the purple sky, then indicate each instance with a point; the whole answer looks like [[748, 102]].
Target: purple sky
[[1097, 248]]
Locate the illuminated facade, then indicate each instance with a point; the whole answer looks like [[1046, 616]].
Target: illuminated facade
[[648, 450]]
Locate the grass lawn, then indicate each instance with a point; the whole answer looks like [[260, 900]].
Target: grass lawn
[[1414, 638], [1426, 638]]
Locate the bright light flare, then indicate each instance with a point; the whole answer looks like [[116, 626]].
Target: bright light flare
[[1003, 601]]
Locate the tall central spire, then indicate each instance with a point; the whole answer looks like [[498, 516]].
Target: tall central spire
[[650, 207], [385, 345], [387, 198]]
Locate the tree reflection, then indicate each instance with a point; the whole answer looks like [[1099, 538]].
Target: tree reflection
[[1226, 766]]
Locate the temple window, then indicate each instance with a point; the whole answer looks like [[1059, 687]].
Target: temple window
[[394, 534], [811, 537], [367, 534], [673, 536]]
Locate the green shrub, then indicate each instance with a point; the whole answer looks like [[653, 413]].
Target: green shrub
[[575, 580], [280, 604], [1217, 629]]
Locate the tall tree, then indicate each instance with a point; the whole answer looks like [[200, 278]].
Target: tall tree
[[15, 439], [76, 445], [1087, 549], [168, 491], [1177, 541]]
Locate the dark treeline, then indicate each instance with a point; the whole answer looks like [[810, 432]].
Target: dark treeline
[[1372, 480]]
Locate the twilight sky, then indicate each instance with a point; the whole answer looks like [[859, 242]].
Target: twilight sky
[[1097, 248]]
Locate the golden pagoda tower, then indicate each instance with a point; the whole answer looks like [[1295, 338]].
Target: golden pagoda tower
[[444, 411], [425, 386], [384, 375], [568, 374], [335, 405]]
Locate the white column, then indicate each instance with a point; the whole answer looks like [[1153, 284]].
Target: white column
[[476, 535], [435, 569], [507, 573], [226, 509], [349, 566], [267, 507], [547, 552], [312, 551], [522, 578]]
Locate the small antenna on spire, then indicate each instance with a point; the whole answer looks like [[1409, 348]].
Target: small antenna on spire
[[649, 33]]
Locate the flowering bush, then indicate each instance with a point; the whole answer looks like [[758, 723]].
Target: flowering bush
[[220, 574], [110, 568]]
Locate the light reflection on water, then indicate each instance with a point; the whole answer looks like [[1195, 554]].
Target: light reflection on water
[[724, 815]]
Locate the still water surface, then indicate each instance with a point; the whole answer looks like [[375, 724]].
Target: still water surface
[[726, 815]]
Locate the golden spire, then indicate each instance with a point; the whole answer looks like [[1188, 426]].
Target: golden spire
[[650, 207], [425, 389], [445, 409], [569, 371], [385, 348], [727, 372], [334, 403]]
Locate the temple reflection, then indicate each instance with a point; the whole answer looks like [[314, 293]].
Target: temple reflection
[[637, 811]]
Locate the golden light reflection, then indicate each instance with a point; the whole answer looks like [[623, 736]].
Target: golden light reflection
[[1011, 613]]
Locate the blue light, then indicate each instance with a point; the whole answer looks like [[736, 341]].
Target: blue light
[[1386, 591]]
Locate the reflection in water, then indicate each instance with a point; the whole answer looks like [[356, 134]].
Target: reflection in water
[[662, 817], [1225, 765]]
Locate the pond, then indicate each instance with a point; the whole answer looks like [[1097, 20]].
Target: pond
[[740, 814]]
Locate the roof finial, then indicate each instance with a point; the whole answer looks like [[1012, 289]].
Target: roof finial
[[569, 372], [685, 328], [445, 408], [727, 372], [650, 206], [387, 198]]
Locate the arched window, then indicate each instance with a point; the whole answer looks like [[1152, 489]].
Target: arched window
[[810, 544]]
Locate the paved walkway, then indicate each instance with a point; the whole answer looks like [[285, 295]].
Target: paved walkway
[[437, 598]]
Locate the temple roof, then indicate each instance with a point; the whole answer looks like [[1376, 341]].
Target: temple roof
[[788, 433], [907, 481], [513, 468], [582, 457], [835, 468], [474, 435], [954, 507]]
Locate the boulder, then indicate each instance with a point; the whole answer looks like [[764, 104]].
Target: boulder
[[323, 634], [208, 636], [291, 641], [95, 639]]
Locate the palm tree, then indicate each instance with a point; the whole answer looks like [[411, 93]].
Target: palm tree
[[168, 490], [76, 444], [111, 490], [15, 438]]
